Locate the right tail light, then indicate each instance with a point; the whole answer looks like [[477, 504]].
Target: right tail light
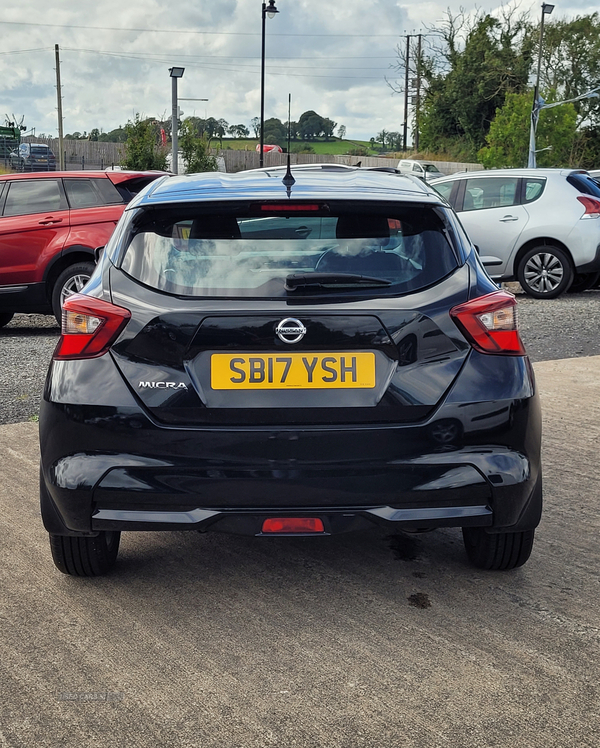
[[490, 323], [591, 205]]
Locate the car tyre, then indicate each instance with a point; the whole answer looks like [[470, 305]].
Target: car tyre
[[70, 281], [497, 551], [5, 318], [545, 272], [85, 556], [584, 281]]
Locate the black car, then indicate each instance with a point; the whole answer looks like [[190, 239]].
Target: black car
[[304, 355]]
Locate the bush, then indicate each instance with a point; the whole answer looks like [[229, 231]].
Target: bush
[[195, 151], [141, 150], [302, 148]]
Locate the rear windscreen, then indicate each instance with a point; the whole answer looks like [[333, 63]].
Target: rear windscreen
[[584, 183], [269, 250]]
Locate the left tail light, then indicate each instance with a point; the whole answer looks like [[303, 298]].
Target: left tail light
[[490, 323], [89, 327]]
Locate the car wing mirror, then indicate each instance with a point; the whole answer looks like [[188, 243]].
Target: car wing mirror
[[98, 253]]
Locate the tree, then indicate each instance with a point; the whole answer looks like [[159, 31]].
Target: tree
[[141, 147], [381, 138], [311, 125], [508, 138], [114, 136], [95, 134], [342, 132], [195, 150], [468, 75], [221, 128], [238, 131], [275, 132], [327, 127], [571, 61], [255, 125]]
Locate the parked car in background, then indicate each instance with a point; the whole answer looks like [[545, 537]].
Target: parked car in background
[[295, 354], [50, 225], [425, 170], [538, 226], [33, 157]]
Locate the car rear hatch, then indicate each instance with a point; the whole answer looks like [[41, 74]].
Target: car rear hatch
[[302, 314]]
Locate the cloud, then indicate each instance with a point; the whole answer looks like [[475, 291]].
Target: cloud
[[331, 57]]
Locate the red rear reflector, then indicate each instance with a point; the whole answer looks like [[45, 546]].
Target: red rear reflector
[[89, 327], [293, 524], [289, 208], [490, 323], [591, 205]]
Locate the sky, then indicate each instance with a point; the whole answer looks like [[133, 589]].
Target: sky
[[332, 57]]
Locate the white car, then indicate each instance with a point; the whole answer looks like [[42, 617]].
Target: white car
[[425, 170], [538, 226]]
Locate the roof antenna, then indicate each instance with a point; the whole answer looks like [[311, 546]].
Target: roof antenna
[[288, 179]]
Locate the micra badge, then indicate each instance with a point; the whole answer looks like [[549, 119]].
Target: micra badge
[[163, 385]]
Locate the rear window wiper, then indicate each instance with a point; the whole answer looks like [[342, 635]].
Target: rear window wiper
[[337, 280]]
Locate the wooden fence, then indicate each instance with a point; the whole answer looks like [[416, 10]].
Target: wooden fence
[[86, 154], [242, 160]]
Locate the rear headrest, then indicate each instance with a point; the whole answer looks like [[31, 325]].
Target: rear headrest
[[215, 227], [362, 227]]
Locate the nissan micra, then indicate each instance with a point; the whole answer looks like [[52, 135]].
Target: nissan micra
[[299, 355]]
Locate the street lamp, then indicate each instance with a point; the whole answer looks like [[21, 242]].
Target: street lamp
[[267, 10], [175, 73], [546, 11], [541, 104]]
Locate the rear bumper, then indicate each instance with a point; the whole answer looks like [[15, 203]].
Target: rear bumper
[[592, 266], [473, 461], [350, 478], [250, 522]]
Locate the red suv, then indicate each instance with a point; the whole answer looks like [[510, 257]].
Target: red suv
[[50, 224]]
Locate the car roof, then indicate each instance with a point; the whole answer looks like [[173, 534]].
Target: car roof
[[523, 172], [267, 184], [115, 177], [417, 161]]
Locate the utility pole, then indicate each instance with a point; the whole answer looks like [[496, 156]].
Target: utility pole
[[405, 129], [418, 107], [61, 155]]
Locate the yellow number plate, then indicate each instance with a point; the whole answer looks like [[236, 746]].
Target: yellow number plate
[[299, 371]]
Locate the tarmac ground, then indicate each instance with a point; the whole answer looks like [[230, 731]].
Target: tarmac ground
[[359, 640]]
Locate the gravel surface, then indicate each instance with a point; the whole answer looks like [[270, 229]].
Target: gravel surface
[[567, 327]]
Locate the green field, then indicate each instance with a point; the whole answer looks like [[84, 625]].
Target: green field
[[334, 147]]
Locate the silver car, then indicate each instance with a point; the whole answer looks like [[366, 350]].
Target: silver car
[[538, 226]]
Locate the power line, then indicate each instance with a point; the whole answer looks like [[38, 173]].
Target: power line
[[159, 58], [169, 55], [21, 51], [185, 31], [230, 69]]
